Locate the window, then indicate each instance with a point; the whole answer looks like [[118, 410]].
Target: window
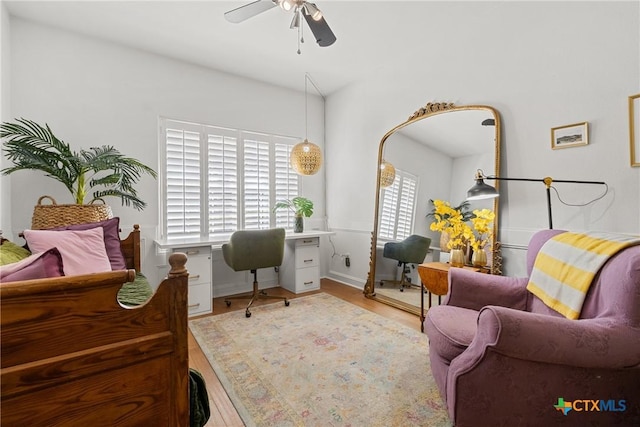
[[398, 206], [216, 180]]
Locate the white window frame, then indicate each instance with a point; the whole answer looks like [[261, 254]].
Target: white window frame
[[287, 182], [401, 213]]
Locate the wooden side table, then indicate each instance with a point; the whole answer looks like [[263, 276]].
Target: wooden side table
[[435, 279]]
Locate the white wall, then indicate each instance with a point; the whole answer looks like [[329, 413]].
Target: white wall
[[5, 97], [92, 93], [541, 65]]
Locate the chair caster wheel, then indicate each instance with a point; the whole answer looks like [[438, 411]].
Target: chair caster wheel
[[248, 314], [286, 303], [401, 289]]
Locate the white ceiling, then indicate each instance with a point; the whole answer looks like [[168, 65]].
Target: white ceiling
[[369, 33]]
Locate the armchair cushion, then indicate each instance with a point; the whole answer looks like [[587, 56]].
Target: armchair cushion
[[451, 330]]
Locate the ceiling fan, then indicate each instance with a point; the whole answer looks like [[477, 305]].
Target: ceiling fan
[[319, 27]]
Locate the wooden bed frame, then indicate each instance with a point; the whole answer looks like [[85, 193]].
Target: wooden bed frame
[[72, 355]]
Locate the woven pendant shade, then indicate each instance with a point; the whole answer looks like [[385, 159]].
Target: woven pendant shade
[[387, 174], [306, 158]]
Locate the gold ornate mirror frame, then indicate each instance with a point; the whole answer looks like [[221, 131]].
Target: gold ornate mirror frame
[[426, 112]]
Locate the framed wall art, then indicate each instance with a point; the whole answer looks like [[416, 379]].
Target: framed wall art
[[634, 129], [570, 135]]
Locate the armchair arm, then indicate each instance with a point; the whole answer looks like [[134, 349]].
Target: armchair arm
[[589, 343], [468, 289]]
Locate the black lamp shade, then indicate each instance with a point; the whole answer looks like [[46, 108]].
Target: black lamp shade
[[481, 191]]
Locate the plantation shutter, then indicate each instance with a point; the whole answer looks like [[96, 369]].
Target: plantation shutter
[[406, 206], [389, 209], [398, 206], [182, 183], [286, 184], [257, 211], [218, 180], [222, 182]]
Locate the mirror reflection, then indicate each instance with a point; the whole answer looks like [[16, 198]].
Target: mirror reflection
[[434, 155]]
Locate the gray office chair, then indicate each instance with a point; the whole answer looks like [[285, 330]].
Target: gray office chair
[[251, 250], [411, 250]]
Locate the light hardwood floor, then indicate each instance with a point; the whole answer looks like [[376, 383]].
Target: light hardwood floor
[[223, 414]]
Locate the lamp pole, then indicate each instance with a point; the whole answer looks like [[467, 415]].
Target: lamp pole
[[547, 182]]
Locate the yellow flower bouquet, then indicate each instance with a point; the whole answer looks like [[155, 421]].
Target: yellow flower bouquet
[[482, 223], [453, 221]]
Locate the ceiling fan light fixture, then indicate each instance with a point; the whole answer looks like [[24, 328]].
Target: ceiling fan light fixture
[[307, 10], [286, 5], [312, 10]]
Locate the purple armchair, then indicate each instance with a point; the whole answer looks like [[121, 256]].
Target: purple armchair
[[501, 357]]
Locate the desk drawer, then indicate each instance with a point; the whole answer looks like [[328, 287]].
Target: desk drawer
[[200, 299], [307, 256], [307, 279], [198, 265], [308, 241]]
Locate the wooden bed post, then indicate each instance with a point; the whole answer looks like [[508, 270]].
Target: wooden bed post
[[177, 261], [131, 249]]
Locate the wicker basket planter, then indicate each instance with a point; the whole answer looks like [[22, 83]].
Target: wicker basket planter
[[54, 215]]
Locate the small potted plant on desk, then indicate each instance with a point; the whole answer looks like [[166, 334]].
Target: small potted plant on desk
[[300, 206]]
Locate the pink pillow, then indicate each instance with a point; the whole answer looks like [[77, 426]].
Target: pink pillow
[[82, 251], [111, 230], [36, 266]]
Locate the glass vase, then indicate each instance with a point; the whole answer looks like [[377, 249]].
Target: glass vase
[[479, 258], [444, 242], [457, 258]]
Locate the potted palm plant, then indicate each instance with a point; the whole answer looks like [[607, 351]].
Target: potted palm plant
[[103, 169], [300, 206]]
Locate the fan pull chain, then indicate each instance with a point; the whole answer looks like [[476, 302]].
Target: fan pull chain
[[300, 35]]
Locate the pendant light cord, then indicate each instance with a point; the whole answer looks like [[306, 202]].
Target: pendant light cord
[[306, 115], [307, 79]]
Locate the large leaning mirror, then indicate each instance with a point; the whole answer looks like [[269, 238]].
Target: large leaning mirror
[[434, 155]]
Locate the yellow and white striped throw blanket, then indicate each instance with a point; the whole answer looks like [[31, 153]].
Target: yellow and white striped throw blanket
[[566, 265]]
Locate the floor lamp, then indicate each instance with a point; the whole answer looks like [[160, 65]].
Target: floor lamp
[[484, 191]]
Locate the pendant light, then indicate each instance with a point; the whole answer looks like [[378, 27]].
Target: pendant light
[[387, 174], [306, 157]]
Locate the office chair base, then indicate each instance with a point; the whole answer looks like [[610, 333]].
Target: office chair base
[[254, 295], [403, 284]]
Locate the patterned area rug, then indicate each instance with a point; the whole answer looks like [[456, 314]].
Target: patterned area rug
[[321, 362]]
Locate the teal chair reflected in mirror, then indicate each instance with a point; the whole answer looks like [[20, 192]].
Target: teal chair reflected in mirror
[[412, 250], [250, 250]]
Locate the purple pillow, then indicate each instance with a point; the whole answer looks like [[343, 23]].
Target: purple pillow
[[37, 266], [111, 230]]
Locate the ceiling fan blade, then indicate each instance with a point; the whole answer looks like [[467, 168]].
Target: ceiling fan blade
[[321, 31], [249, 10]]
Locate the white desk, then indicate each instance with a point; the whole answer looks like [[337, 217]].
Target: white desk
[[299, 272], [219, 241]]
